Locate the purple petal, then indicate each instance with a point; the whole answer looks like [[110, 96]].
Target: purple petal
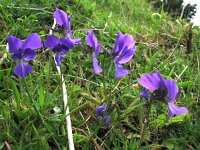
[[68, 27], [64, 51], [75, 41], [91, 40], [172, 89], [126, 55], [29, 54], [174, 110], [120, 71], [96, 67], [14, 44], [66, 42], [119, 43], [58, 59], [51, 41], [100, 110], [145, 93], [61, 17], [98, 50], [106, 120], [18, 55], [152, 81], [123, 40], [22, 69], [32, 42]]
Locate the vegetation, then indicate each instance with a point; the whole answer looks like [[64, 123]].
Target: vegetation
[[161, 44]]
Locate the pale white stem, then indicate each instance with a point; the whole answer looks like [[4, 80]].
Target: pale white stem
[[68, 119], [182, 12], [4, 55]]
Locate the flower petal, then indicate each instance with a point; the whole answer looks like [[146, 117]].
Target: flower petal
[[67, 43], [14, 44], [22, 69], [126, 55], [51, 41], [32, 42], [61, 17], [172, 89], [58, 59], [98, 50], [75, 41], [100, 110], [145, 94], [29, 54], [69, 33], [91, 40], [123, 40], [96, 67], [152, 81], [17, 55], [106, 120], [120, 71], [174, 110], [64, 51]]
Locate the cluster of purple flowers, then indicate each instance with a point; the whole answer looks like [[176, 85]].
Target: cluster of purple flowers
[[155, 86], [124, 50], [24, 51]]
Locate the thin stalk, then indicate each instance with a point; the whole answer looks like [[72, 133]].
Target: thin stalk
[[146, 122], [66, 108], [65, 100]]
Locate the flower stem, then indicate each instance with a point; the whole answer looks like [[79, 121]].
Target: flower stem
[[65, 100], [66, 108], [146, 122]]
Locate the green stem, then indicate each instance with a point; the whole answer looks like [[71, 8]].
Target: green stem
[[146, 122], [21, 89]]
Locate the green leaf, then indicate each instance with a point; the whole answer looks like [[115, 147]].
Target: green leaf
[[184, 84], [35, 130], [41, 96], [154, 57]]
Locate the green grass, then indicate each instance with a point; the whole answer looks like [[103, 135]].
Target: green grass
[[161, 44]]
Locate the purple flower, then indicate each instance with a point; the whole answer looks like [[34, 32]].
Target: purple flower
[[24, 51], [123, 52], [100, 110], [92, 42], [63, 20], [162, 89], [100, 113], [145, 94], [59, 46]]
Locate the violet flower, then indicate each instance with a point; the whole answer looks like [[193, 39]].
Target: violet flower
[[162, 89], [59, 46], [92, 42], [100, 111], [63, 20], [145, 94], [124, 50], [24, 52]]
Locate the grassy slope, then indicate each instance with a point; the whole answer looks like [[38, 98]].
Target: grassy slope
[[160, 43]]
